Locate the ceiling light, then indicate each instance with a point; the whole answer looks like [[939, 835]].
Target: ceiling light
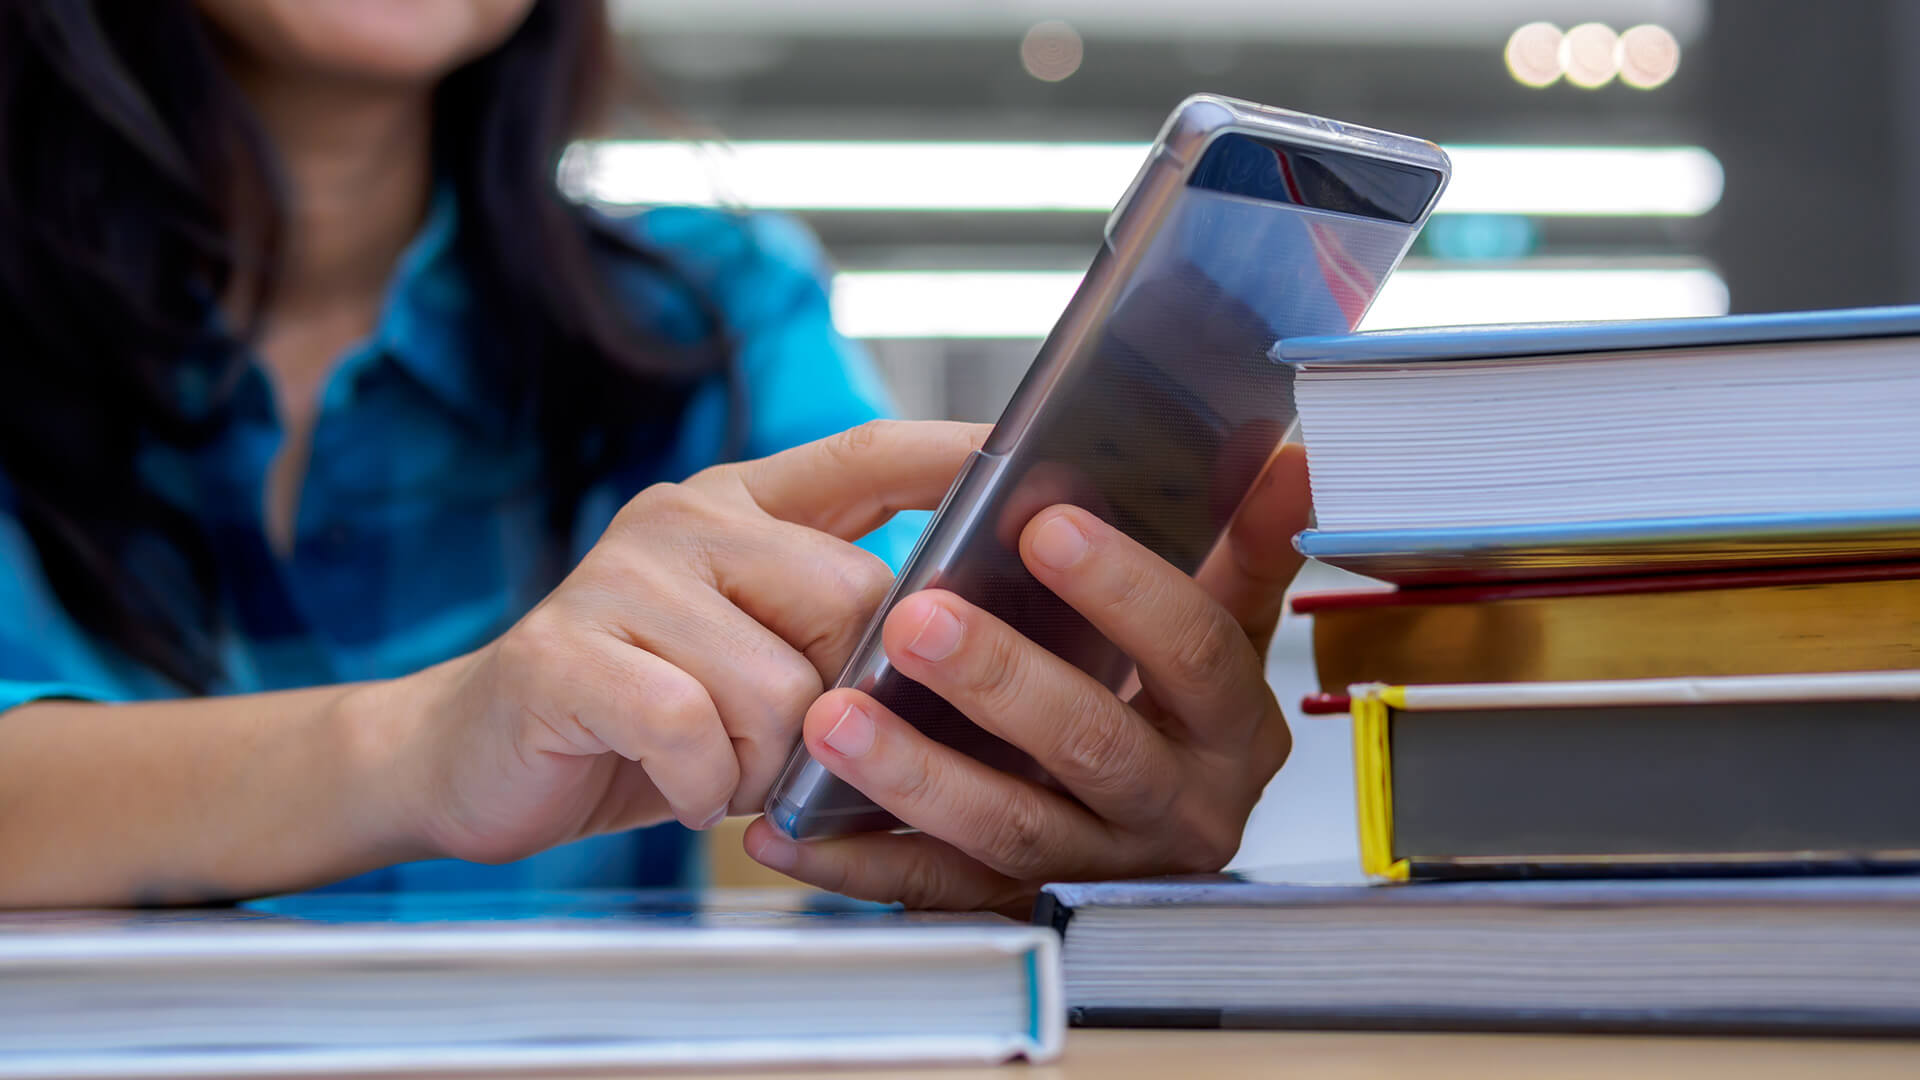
[[1025, 304], [1619, 181], [1443, 297], [1679, 181]]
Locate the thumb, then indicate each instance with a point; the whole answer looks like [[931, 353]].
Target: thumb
[[849, 484], [1249, 573]]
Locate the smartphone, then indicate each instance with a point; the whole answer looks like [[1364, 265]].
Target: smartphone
[[1155, 402]]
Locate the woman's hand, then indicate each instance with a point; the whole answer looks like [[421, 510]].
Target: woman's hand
[[667, 675], [1162, 783]]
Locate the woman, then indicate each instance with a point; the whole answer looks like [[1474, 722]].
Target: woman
[[322, 419]]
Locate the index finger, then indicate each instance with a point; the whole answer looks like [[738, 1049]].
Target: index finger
[[850, 484]]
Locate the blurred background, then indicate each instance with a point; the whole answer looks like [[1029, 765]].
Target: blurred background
[[1613, 159]]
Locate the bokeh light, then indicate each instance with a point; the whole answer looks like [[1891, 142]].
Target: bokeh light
[[1051, 51], [1587, 54], [1533, 54], [1648, 56]]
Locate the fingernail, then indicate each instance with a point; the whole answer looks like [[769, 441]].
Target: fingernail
[[1059, 543], [852, 734], [718, 816], [939, 636], [776, 852]]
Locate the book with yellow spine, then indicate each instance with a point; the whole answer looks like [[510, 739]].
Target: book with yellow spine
[[1780, 773]]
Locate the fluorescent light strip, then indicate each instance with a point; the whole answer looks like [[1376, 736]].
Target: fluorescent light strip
[[993, 304], [1674, 181], [1444, 297]]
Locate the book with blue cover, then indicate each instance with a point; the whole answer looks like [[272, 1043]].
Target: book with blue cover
[[1737, 955], [1487, 453], [473, 984]]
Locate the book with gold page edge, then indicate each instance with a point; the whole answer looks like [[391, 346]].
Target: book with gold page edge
[[1861, 617], [1729, 775]]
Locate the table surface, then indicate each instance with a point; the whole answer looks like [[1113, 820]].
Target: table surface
[[1153, 1055]]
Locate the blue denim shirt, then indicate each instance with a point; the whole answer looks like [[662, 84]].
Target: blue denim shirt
[[421, 532]]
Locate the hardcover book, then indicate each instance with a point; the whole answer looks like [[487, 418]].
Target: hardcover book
[[1855, 617], [1470, 454], [1762, 774], [1749, 955], [481, 983]]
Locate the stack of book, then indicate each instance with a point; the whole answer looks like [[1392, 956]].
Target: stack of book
[[1657, 603], [1642, 655]]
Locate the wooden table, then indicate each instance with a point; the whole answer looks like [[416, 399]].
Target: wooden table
[[1176, 1055]]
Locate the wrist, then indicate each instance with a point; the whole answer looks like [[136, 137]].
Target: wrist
[[386, 728]]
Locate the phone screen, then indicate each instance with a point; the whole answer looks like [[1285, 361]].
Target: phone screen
[[1162, 430], [1308, 176]]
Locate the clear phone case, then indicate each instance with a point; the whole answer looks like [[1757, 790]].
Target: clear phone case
[[1154, 403]]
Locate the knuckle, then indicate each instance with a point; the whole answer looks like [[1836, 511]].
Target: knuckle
[[651, 502], [1083, 747], [867, 579], [913, 781], [850, 448], [856, 581], [671, 511], [921, 883], [1022, 843], [1215, 849], [996, 672], [859, 586], [788, 688], [1114, 769], [614, 570], [860, 440], [1127, 591], [1206, 839], [680, 712], [535, 644], [1201, 650]]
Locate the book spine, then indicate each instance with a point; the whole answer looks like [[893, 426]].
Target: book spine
[[1373, 782], [1052, 912]]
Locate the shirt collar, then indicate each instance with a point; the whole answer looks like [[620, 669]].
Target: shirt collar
[[425, 324]]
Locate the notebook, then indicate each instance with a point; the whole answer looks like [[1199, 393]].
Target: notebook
[[481, 983], [1772, 773], [1753, 955], [1568, 450]]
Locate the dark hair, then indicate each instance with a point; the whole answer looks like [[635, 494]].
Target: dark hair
[[135, 184]]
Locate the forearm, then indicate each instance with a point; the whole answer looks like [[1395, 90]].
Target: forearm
[[199, 800]]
